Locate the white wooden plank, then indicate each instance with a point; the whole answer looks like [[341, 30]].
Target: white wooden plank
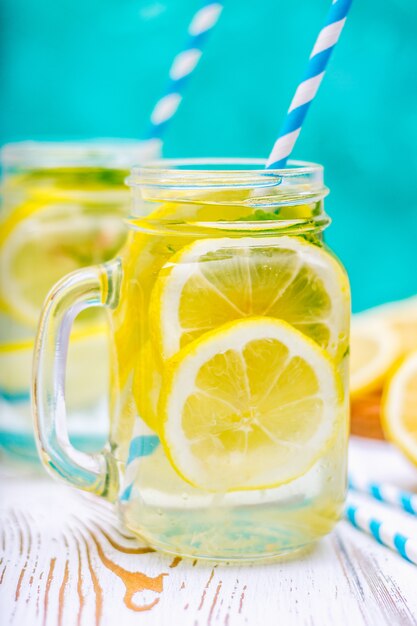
[[65, 561]]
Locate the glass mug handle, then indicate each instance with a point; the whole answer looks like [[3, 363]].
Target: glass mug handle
[[85, 288]]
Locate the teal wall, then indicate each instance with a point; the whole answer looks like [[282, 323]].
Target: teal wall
[[82, 68]]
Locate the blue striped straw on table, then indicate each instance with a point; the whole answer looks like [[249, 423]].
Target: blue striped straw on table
[[307, 89], [382, 532], [388, 494], [183, 66]]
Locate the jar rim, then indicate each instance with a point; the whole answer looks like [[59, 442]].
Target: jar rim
[[223, 172], [95, 152]]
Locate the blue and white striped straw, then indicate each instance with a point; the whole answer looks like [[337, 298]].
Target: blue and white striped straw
[[183, 66], [382, 532], [310, 83], [388, 494]]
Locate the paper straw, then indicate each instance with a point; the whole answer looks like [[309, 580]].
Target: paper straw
[[382, 532], [310, 83], [388, 494], [183, 66]]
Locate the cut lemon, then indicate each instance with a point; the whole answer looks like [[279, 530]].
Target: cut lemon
[[214, 281], [374, 349], [399, 407], [401, 316], [40, 242], [251, 405]]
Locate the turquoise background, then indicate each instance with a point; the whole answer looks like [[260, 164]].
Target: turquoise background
[[83, 68]]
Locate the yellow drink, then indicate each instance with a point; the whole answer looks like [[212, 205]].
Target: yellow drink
[[229, 395], [159, 502], [63, 208]]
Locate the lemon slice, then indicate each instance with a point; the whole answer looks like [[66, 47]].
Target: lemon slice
[[40, 242], [399, 407], [88, 352], [151, 242], [374, 349], [214, 281], [15, 370], [253, 404], [401, 316], [147, 385]]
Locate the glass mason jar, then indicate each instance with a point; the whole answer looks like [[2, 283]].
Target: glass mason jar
[[63, 207], [229, 363]]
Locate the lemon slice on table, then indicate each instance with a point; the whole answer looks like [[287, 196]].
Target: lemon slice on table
[[253, 404], [399, 407], [214, 281], [40, 242], [401, 316], [374, 349]]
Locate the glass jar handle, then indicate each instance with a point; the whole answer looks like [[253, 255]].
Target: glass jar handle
[[85, 288]]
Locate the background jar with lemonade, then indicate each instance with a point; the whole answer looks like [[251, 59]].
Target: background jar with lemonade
[[63, 206]]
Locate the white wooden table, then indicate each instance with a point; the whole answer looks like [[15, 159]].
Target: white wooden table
[[64, 560]]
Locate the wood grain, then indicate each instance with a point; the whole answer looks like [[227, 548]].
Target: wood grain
[[66, 561]]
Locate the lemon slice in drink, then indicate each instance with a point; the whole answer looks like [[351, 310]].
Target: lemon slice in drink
[[152, 241], [40, 242], [214, 281], [15, 370], [147, 385], [375, 348], [87, 353], [253, 404], [399, 407]]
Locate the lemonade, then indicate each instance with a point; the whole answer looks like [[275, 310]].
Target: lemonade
[[229, 321], [212, 315], [63, 208]]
